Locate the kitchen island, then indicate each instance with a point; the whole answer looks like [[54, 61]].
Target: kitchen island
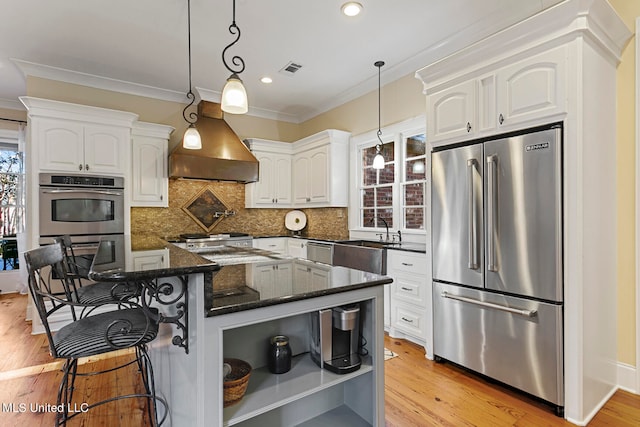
[[231, 312]]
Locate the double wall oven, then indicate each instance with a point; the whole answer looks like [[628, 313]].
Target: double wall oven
[[84, 207]]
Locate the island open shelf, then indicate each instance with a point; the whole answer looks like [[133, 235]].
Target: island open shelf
[[267, 391]]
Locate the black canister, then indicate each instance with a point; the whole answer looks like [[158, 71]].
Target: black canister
[[279, 354]]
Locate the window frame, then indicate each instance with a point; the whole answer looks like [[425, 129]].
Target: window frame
[[396, 133]]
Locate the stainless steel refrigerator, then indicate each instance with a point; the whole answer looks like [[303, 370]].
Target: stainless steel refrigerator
[[497, 259]]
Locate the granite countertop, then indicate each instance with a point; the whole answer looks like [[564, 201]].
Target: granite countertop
[[233, 287], [114, 260], [403, 246], [243, 287]]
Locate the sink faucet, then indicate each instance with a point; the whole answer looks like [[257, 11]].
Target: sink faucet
[[385, 225]]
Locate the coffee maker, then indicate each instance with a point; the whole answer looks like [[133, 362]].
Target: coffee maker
[[335, 338]]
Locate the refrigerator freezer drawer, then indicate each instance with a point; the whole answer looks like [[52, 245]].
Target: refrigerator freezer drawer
[[513, 340]]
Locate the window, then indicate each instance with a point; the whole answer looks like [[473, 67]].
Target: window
[[413, 183], [393, 196], [377, 187], [11, 202]]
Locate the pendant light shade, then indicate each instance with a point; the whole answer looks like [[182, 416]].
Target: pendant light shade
[[191, 138], [234, 96], [378, 160]]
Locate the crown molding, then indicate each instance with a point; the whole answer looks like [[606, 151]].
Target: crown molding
[[11, 104], [98, 82]]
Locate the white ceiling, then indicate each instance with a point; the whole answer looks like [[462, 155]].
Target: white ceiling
[[140, 46]]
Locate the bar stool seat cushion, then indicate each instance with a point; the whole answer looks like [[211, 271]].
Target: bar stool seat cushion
[[105, 332], [107, 292]]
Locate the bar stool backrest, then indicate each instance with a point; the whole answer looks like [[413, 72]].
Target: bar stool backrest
[[48, 284]]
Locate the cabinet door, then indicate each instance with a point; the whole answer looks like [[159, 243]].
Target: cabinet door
[[317, 179], [264, 190], [451, 112], [105, 149], [149, 172], [60, 145], [282, 180], [301, 165], [533, 88]]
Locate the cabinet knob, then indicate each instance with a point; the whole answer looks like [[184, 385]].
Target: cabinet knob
[[501, 118], [86, 167], [308, 199], [161, 197], [80, 167], [468, 127]]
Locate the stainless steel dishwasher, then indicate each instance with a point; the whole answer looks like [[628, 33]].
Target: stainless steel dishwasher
[[320, 252]]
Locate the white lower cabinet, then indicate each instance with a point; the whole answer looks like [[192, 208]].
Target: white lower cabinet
[[273, 244], [270, 280], [297, 248], [407, 307], [149, 260]]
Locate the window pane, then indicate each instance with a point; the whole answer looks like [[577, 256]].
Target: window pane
[[414, 218], [368, 198], [415, 170], [387, 215], [387, 174], [414, 194], [387, 151], [369, 176], [416, 146], [368, 216], [384, 196], [367, 156]]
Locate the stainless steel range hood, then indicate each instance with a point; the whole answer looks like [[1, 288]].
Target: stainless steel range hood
[[223, 156]]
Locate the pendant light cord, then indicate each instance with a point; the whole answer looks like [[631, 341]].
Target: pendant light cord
[[236, 60], [193, 117], [379, 64]]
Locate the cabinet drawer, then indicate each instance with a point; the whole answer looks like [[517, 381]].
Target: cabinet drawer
[[407, 262], [410, 289], [271, 244], [409, 319]]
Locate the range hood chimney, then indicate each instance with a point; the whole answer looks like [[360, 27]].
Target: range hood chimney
[[223, 156]]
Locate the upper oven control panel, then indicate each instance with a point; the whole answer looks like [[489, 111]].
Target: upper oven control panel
[[50, 179]]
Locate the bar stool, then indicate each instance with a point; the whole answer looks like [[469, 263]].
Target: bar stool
[[121, 328], [92, 293]]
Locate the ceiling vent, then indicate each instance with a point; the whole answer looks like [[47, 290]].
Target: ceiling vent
[[291, 68]]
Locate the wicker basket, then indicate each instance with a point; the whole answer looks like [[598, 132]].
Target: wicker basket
[[235, 384]]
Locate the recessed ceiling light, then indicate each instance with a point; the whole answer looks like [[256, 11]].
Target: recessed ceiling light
[[351, 8], [266, 79]]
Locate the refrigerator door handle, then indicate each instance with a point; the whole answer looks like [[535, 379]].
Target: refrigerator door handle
[[491, 211], [473, 229], [518, 311]]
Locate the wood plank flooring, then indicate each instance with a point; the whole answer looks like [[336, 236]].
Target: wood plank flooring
[[418, 392]]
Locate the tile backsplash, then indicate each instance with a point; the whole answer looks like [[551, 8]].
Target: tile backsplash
[[329, 223]]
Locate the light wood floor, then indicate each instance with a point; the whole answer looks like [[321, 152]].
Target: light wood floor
[[418, 392]]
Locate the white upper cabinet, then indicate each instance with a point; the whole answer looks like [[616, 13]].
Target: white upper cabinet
[[273, 189], [310, 176], [81, 147], [533, 88], [149, 177], [452, 111], [79, 138], [311, 172], [513, 95], [321, 170]]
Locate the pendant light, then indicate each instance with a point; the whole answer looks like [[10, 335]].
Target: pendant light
[[191, 139], [234, 96], [378, 160]]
